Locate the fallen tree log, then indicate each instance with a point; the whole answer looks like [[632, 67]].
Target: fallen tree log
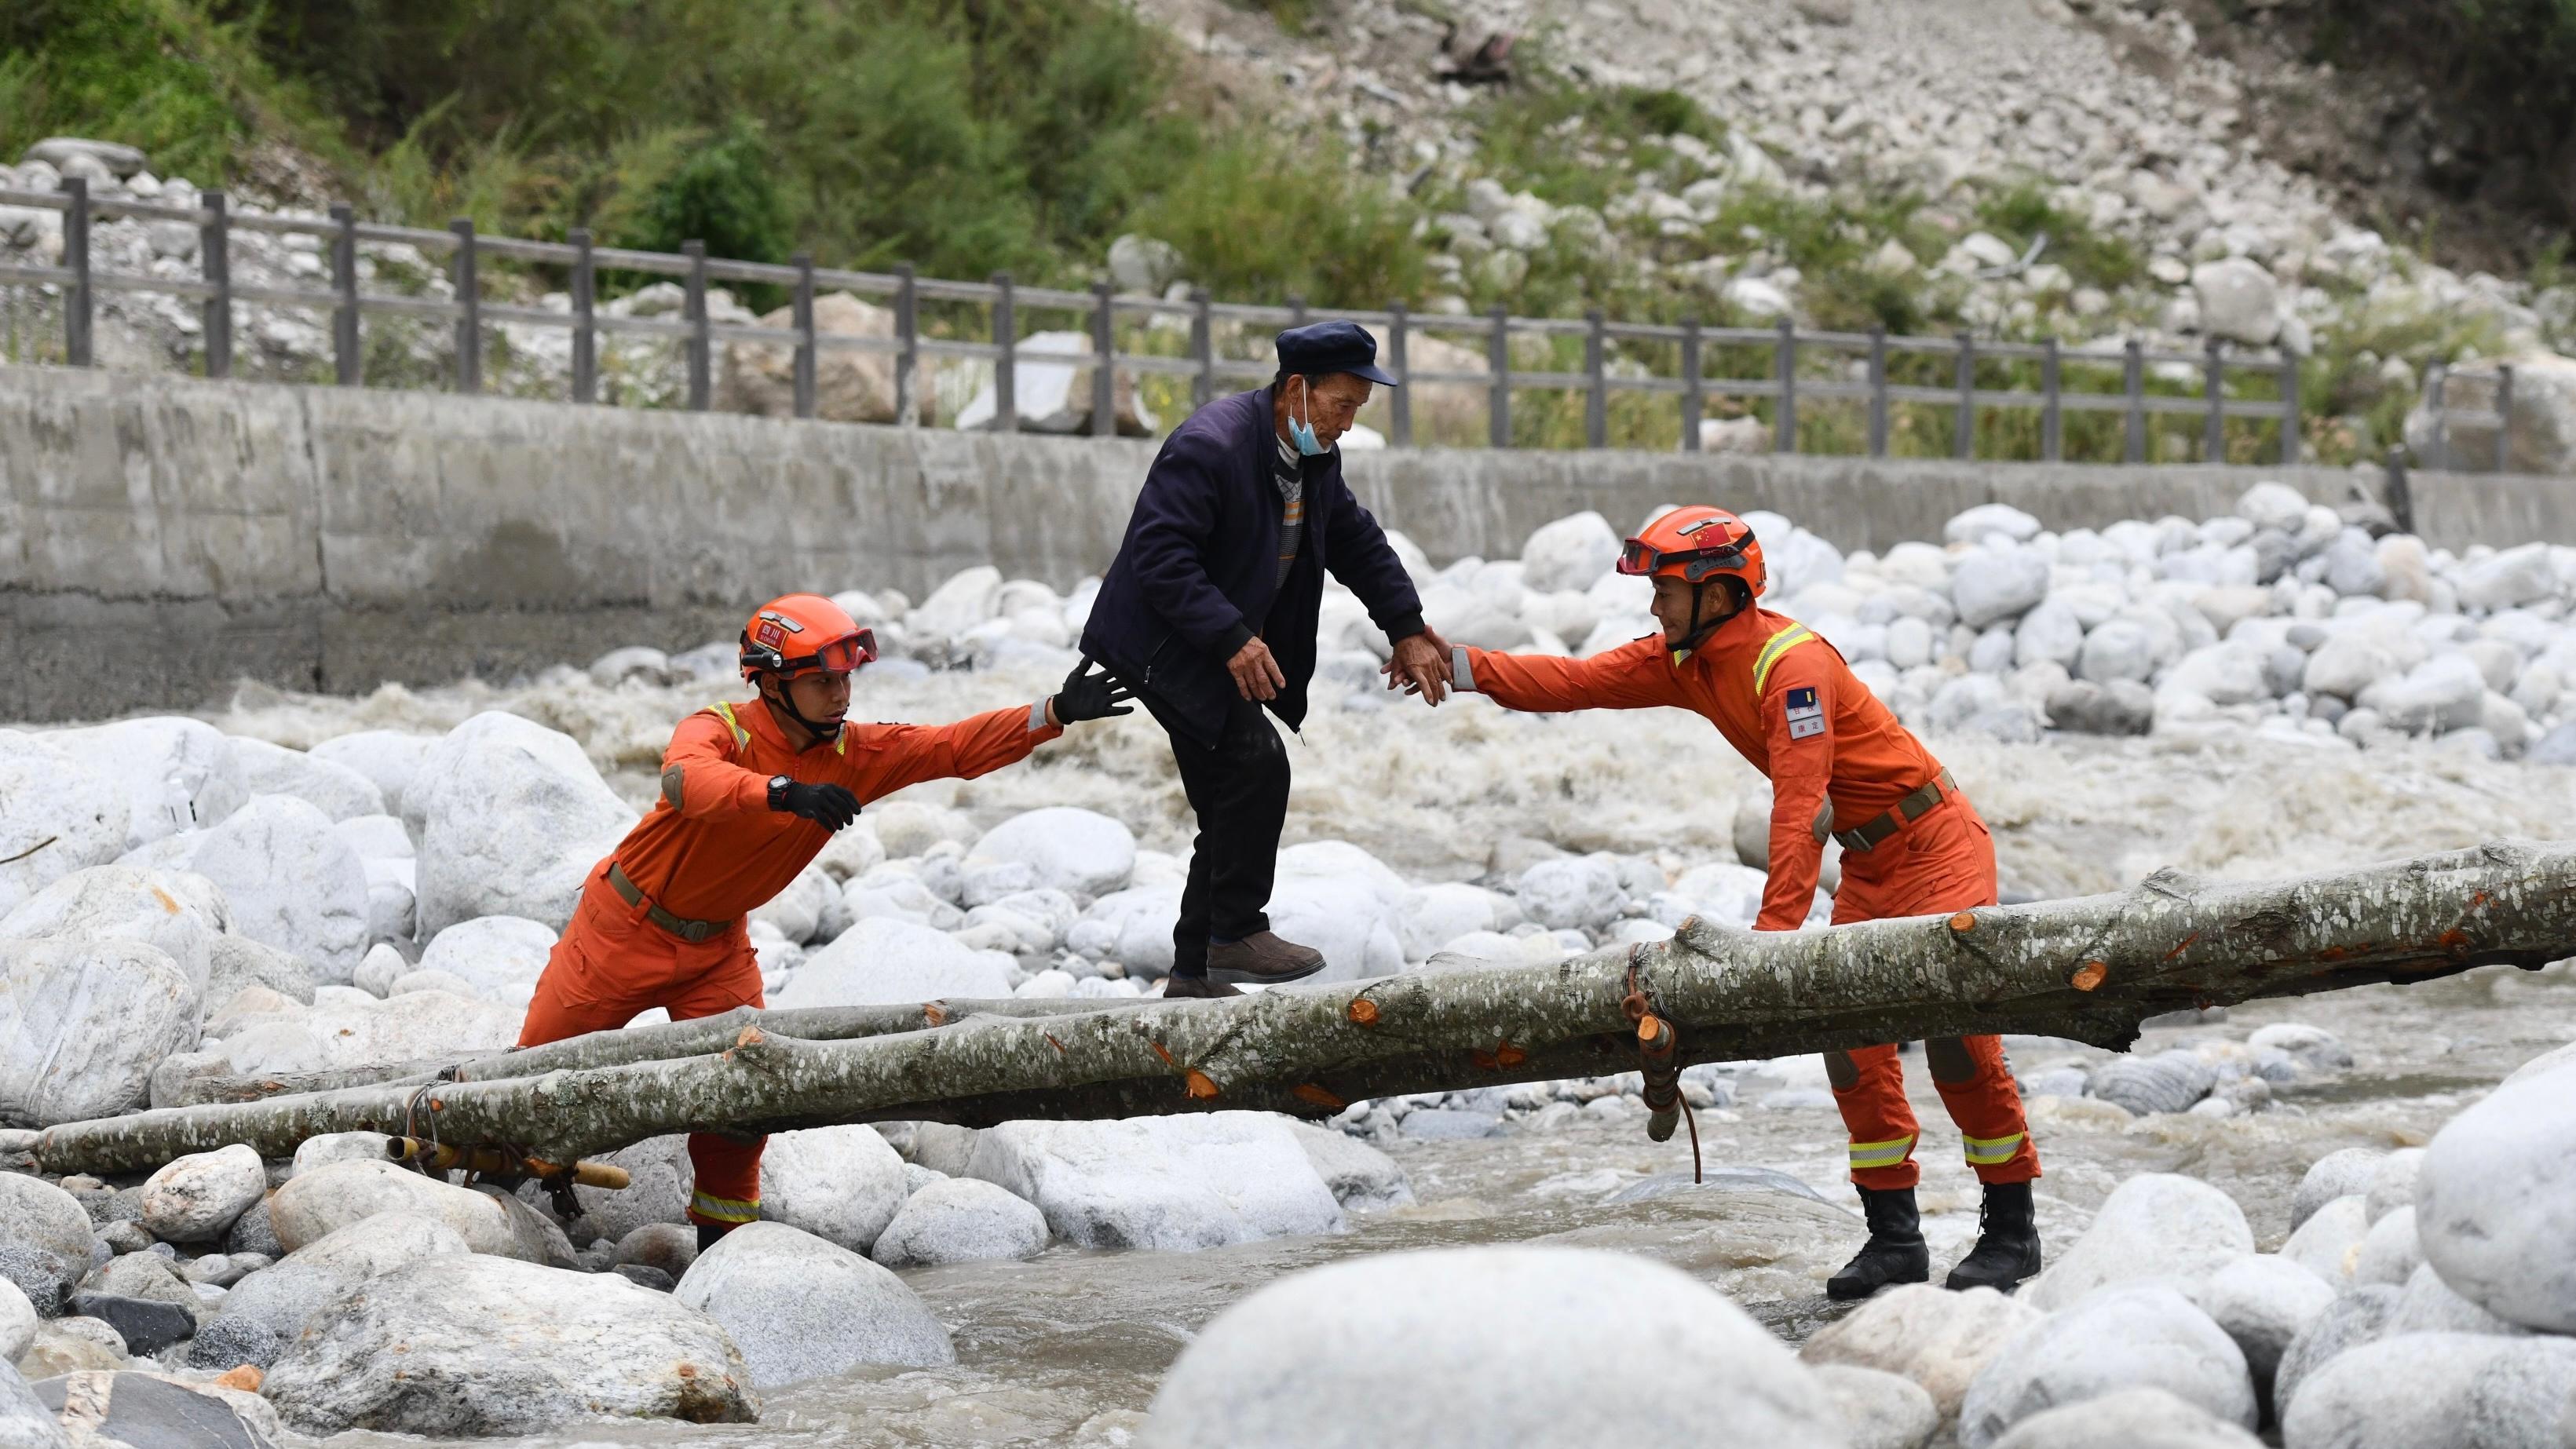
[[2089, 969], [615, 1048]]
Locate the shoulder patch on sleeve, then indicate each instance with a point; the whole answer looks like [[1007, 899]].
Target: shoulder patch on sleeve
[[1805, 714]]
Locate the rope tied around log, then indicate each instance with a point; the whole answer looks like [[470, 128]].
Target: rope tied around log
[[1658, 1063]]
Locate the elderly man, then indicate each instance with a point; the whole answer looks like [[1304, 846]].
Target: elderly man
[[1209, 614]]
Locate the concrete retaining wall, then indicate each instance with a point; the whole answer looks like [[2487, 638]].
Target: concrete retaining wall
[[162, 537]]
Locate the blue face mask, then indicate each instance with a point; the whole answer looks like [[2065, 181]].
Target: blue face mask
[[1303, 434]]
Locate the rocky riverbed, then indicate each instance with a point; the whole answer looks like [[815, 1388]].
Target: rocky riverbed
[[293, 882]]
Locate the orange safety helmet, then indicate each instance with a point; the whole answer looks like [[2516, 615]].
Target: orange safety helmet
[[801, 633], [1696, 544]]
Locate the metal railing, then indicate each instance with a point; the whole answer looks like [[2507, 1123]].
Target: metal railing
[[1784, 387]]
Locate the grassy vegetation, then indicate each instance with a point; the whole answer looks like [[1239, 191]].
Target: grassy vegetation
[[964, 136], [967, 136]]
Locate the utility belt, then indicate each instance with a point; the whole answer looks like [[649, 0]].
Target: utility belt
[[1906, 811], [680, 926]]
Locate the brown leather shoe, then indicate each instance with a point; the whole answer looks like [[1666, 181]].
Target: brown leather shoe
[[1262, 959], [1185, 987]]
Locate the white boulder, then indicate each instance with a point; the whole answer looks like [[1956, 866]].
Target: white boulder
[[2495, 1202], [2264, 1301], [883, 960], [83, 1023], [1434, 915], [1998, 585], [960, 1220], [332, 788], [499, 956], [312, 1205], [1571, 553], [389, 758], [2155, 1225], [180, 914], [2128, 1419], [800, 1308], [2335, 1174], [1578, 891], [1975, 525], [2437, 1391], [1878, 1410], [511, 818], [481, 1346], [2238, 300], [800, 909], [841, 1184], [1388, 1349], [288, 880], [1937, 1338], [2361, 1315], [2328, 1242], [196, 1198], [2136, 1335], [2509, 579], [174, 774], [58, 813], [45, 1239], [269, 1309], [1175, 1184], [2390, 1252], [1080, 852]]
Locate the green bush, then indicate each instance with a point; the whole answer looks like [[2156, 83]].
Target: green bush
[[1256, 218], [2024, 214], [158, 74]]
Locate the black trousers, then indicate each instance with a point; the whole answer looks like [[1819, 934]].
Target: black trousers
[[1238, 788]]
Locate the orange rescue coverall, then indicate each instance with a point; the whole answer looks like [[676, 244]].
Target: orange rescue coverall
[[1837, 759], [709, 851]]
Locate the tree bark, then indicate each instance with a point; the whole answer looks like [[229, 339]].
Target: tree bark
[[616, 1048], [2089, 969]]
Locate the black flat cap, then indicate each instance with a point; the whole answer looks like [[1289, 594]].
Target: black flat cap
[[1322, 347]]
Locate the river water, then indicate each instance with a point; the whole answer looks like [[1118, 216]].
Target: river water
[[1068, 1348]]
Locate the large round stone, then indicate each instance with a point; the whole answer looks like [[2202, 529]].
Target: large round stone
[[1481, 1346], [801, 1308], [476, 1346], [2495, 1202]]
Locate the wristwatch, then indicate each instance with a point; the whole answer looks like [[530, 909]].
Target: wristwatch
[[778, 791]]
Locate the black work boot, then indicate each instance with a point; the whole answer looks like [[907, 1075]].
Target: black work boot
[[1179, 987], [1894, 1253], [1261, 959], [2007, 1249], [709, 1234]]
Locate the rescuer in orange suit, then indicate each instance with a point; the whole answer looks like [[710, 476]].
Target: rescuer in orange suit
[[751, 792], [1839, 763]]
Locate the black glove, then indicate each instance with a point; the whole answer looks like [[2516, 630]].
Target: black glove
[[1087, 695], [829, 806]]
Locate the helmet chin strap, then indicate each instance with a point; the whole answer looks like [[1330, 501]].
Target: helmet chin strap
[[1699, 632], [785, 703]]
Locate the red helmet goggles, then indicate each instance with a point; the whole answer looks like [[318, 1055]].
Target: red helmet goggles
[[833, 656], [1637, 556]]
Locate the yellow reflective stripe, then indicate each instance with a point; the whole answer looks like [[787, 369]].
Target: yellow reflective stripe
[[1881, 1154], [1781, 643], [1987, 1151], [741, 736], [724, 1209]]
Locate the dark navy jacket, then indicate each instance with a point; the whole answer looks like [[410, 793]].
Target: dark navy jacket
[[1196, 576]]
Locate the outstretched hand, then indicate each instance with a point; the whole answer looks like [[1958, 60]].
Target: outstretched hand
[[1090, 695], [1420, 666], [829, 806]]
